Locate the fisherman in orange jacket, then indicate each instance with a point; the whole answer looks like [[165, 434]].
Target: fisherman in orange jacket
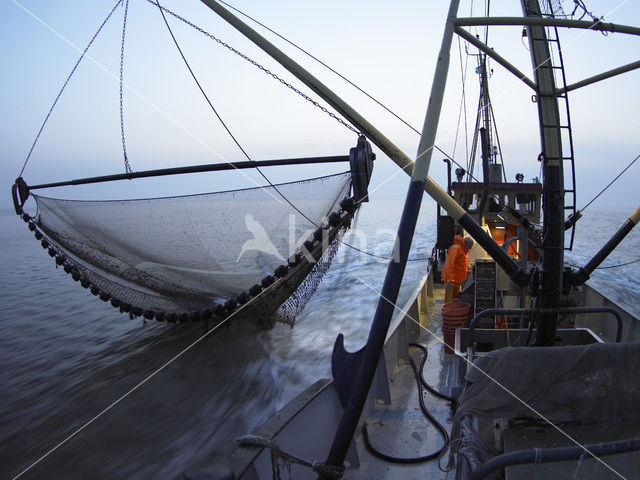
[[454, 271]]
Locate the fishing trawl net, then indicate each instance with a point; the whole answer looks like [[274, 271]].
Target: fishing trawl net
[[190, 257]]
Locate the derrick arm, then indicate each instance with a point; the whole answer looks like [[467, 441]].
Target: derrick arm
[[392, 151]]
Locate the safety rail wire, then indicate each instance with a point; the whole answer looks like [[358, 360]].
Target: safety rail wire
[[520, 311]]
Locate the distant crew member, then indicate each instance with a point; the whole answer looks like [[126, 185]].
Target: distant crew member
[[454, 271]]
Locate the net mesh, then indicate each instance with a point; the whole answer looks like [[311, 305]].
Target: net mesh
[[295, 303], [183, 254]]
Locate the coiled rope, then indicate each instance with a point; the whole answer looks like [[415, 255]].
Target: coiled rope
[[279, 457]]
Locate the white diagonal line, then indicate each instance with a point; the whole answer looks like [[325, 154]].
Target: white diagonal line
[[417, 322]]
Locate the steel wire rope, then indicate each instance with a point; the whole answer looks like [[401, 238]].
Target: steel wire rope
[[610, 183], [66, 82], [162, 11], [609, 266], [463, 105], [206, 97], [495, 127], [202, 31], [618, 265], [257, 65], [127, 166], [321, 63], [450, 157]]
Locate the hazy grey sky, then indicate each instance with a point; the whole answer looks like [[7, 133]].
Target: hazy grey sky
[[387, 48]]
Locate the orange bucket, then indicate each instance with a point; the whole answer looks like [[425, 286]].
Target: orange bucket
[[454, 315]]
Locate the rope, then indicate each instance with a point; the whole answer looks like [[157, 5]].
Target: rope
[[611, 182], [277, 454], [65, 85], [162, 9], [463, 103], [327, 67], [195, 79], [195, 27]]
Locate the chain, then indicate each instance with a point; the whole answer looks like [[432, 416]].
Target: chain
[[84, 52], [127, 167], [260, 67]]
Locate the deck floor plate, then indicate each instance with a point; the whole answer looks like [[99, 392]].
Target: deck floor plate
[[400, 428]]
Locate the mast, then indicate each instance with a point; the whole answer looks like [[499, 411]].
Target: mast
[[552, 175], [484, 133]]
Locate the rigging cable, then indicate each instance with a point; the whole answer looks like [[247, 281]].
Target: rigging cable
[[609, 266], [206, 97], [321, 63], [330, 69], [611, 183], [162, 11], [127, 166], [66, 82], [619, 265], [495, 128], [463, 104], [257, 65], [469, 167]]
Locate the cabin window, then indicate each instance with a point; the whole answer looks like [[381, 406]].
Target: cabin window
[[467, 201], [526, 203], [496, 202]]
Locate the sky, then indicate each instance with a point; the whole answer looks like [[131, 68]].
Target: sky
[[388, 49]]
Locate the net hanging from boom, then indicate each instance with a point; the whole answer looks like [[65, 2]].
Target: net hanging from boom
[[195, 257], [191, 257], [200, 256]]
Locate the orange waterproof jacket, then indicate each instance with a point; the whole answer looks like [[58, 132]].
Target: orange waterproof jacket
[[455, 265]]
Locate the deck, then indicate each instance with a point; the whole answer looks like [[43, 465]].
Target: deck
[[399, 428]]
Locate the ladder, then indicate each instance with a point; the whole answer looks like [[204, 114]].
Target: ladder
[[556, 64]]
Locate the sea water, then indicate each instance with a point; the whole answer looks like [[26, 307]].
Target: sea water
[[89, 393]]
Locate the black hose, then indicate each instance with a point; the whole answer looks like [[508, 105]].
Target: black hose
[[443, 432], [545, 455], [424, 382]]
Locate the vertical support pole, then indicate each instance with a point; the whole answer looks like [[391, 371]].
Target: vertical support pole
[[395, 270], [553, 179], [524, 259], [484, 148], [430, 126]]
